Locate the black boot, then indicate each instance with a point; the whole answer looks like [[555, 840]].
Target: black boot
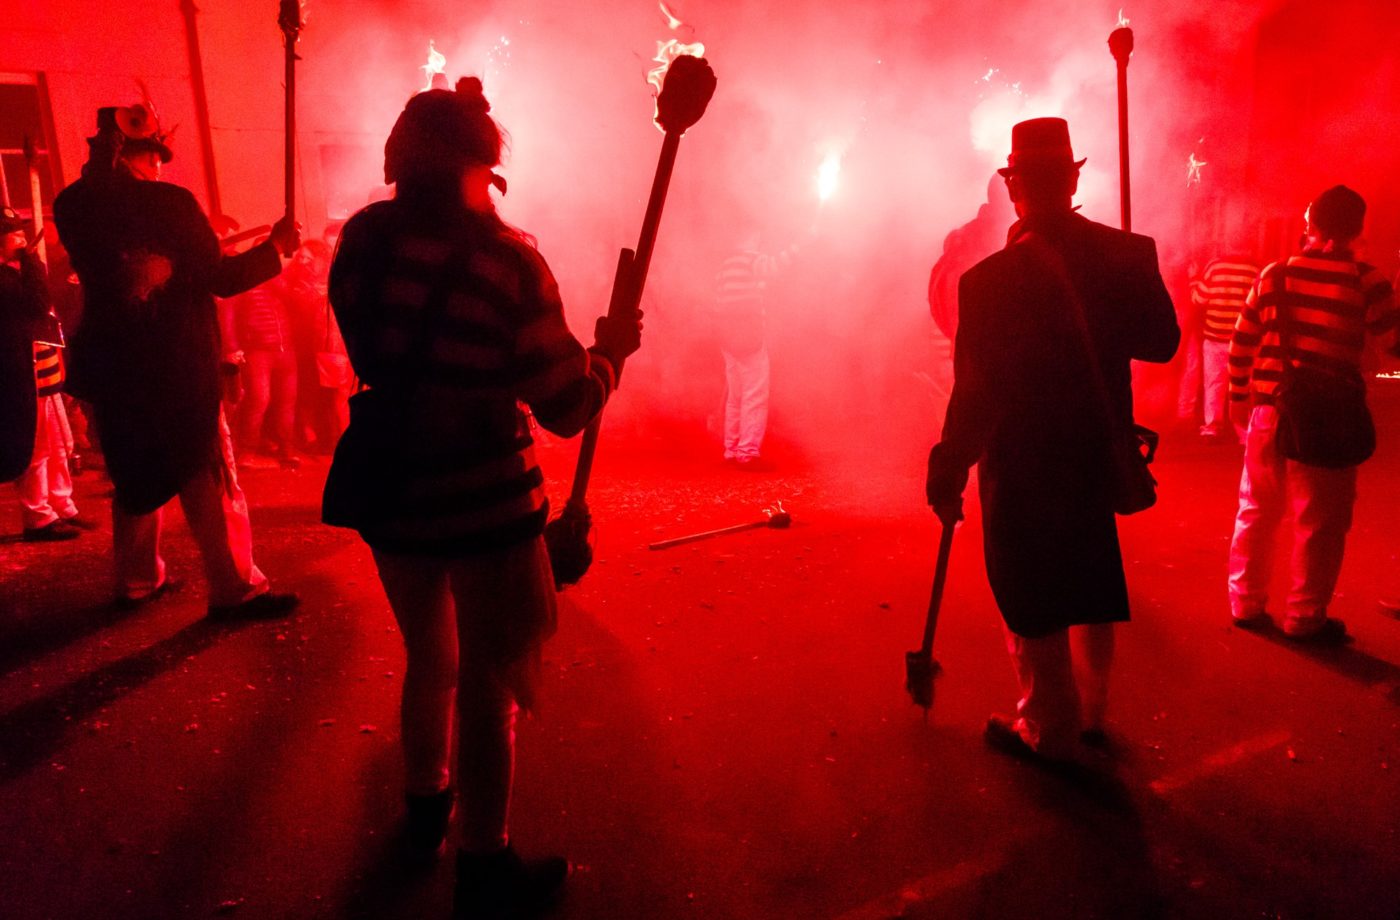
[[502, 886], [426, 818]]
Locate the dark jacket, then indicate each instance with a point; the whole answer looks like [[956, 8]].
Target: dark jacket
[[1027, 409], [23, 306], [146, 354]]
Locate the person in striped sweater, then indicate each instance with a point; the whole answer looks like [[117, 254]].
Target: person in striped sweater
[[453, 323], [36, 449], [740, 318], [46, 487], [1220, 294], [1325, 304]]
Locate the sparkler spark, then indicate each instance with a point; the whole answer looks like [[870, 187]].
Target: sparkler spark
[[827, 175], [434, 71], [1193, 170]]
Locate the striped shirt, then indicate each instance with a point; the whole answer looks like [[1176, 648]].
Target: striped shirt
[[452, 329], [740, 286], [1221, 291], [1324, 306], [48, 369], [743, 278]]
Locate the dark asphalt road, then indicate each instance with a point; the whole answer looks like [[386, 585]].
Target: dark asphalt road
[[724, 731]]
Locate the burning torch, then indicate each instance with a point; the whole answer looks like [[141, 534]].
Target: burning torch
[[434, 71], [1120, 44], [688, 86]]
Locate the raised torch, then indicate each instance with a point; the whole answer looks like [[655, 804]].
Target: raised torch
[[1120, 44], [689, 85]]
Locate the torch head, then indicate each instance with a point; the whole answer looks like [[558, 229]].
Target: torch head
[[689, 86], [1120, 45]]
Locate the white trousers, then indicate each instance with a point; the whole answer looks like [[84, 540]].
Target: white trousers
[[1062, 691], [46, 487], [217, 512], [1317, 503], [1215, 370], [1189, 389], [745, 403]]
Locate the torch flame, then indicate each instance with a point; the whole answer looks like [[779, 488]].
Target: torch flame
[[435, 68], [672, 22], [1122, 20], [666, 52], [827, 174]]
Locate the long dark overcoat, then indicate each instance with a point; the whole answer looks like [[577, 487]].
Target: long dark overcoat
[[146, 354], [1026, 408], [23, 306]]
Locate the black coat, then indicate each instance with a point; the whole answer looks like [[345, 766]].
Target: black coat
[[146, 354], [23, 306], [1027, 409]]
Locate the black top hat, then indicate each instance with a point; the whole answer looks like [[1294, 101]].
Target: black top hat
[[1040, 142]]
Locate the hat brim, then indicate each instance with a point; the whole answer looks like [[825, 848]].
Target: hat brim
[[1007, 171], [147, 145]]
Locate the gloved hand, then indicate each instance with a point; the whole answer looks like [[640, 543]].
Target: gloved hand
[[944, 487], [286, 236], [616, 337]]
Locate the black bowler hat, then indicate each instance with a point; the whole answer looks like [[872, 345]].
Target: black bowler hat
[[1038, 143]]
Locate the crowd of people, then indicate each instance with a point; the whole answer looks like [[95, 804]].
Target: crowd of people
[[448, 326], [289, 374]]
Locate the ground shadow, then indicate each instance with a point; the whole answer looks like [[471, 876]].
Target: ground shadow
[[35, 730], [1345, 660]]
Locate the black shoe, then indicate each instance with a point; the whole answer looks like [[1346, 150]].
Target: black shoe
[[1001, 735], [497, 886], [753, 465], [268, 606], [51, 532], [124, 602], [426, 818], [1253, 622], [1332, 632], [81, 522], [1095, 738]]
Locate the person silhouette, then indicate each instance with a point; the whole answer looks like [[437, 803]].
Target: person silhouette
[[452, 320]]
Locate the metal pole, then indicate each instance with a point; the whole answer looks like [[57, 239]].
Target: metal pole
[[289, 20], [1120, 44]]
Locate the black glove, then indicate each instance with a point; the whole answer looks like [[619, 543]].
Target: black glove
[[286, 236], [617, 337], [944, 486]]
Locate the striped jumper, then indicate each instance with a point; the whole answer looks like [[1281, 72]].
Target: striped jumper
[[454, 324], [1221, 291], [1324, 304]]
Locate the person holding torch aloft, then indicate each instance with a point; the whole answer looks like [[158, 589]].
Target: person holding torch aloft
[[453, 323]]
